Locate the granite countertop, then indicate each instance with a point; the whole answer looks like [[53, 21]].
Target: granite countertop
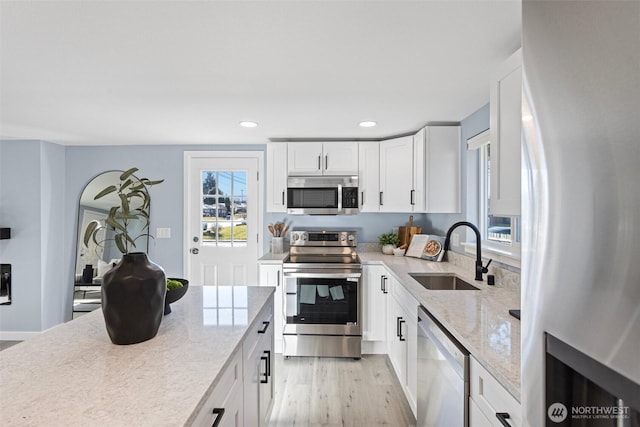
[[73, 375], [480, 320]]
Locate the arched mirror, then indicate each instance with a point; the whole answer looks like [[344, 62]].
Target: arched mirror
[[95, 260]]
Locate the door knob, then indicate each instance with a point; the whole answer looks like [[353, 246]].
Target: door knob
[[195, 251]]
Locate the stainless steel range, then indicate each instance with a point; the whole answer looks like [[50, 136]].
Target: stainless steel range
[[323, 295]]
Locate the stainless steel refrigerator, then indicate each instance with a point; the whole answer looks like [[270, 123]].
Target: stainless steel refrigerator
[[581, 212]]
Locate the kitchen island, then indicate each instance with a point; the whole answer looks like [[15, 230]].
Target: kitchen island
[[73, 375]]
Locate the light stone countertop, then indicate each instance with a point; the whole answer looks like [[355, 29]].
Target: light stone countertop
[[480, 320], [73, 375]]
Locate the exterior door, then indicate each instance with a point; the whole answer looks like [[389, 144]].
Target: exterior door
[[223, 217]]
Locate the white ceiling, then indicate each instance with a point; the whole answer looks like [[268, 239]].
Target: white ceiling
[[182, 72]]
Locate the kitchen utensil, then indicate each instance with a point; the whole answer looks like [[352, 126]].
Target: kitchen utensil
[[271, 230]]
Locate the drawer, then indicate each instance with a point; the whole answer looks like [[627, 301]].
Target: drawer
[[262, 325], [404, 298], [225, 395], [491, 397]]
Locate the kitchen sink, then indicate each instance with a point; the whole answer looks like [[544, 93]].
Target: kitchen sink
[[442, 282]]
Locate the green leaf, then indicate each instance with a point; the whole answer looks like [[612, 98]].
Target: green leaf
[[128, 173], [120, 245], [91, 228], [125, 184], [110, 189], [124, 202], [115, 225]]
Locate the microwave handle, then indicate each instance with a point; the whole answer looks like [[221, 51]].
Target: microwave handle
[[339, 197]]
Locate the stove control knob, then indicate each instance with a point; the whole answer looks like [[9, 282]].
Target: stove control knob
[[343, 238], [303, 236], [295, 236], [351, 237]]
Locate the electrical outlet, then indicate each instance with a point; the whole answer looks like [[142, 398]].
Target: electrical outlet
[[456, 240], [163, 233]]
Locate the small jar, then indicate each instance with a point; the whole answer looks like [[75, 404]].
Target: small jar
[[277, 245]]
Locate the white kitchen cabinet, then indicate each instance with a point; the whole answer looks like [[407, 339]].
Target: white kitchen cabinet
[[443, 169], [322, 158], [490, 399], [369, 176], [270, 274], [402, 174], [276, 177], [506, 130], [225, 403], [374, 307], [402, 337], [257, 351]]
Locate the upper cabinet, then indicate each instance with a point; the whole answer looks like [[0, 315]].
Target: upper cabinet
[[322, 158], [443, 169], [397, 178], [506, 131], [369, 176], [276, 177]]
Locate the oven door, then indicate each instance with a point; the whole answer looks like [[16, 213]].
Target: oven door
[[323, 302]]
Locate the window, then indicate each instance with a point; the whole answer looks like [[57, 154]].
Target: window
[[498, 229]]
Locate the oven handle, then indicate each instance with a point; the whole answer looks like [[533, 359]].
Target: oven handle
[[322, 275]]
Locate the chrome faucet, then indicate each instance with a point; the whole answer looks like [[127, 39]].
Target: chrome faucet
[[480, 269]]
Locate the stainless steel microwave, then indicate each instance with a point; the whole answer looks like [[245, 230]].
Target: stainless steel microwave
[[322, 195]]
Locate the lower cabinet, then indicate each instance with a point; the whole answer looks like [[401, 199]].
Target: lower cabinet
[[224, 407], [490, 404], [257, 351], [271, 275], [402, 338], [244, 394], [374, 303]]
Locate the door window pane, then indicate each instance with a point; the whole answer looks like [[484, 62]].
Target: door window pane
[[224, 208]]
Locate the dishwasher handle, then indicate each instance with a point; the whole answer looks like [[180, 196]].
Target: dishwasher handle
[[450, 348]]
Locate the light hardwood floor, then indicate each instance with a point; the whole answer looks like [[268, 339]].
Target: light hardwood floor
[[327, 392]]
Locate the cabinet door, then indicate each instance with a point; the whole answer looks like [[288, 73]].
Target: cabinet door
[[340, 158], [276, 177], [396, 174], [396, 340], [417, 191], [369, 176], [443, 179], [267, 377], [374, 308], [506, 136], [271, 275], [304, 158]]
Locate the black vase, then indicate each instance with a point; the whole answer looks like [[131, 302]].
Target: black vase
[[133, 295]]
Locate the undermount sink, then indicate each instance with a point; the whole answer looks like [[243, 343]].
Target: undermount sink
[[442, 282]]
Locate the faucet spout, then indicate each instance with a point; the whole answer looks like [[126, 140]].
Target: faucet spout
[[480, 269]]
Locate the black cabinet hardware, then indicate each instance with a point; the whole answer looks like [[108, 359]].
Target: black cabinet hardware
[[264, 329], [219, 414], [502, 417]]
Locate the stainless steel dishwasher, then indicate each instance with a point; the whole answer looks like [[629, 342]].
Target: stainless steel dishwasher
[[443, 376]]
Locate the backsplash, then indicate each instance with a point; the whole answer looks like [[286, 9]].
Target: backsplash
[[504, 277]]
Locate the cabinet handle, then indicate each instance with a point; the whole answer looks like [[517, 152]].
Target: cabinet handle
[[385, 285], [401, 337], [382, 283], [398, 319], [326, 162], [283, 198], [278, 283], [219, 412], [263, 330], [381, 199], [268, 353], [411, 193], [266, 375], [502, 417], [361, 198], [319, 164]]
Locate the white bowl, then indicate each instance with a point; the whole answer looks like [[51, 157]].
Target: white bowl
[[398, 252]]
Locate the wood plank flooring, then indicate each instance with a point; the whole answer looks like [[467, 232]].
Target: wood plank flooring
[[328, 392]]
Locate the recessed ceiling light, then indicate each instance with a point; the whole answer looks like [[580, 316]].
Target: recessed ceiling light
[[248, 124], [367, 124]]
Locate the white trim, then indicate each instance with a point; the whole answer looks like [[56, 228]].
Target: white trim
[[190, 155], [479, 140], [504, 254]]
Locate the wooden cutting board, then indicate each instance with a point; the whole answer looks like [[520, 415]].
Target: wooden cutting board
[[402, 234]]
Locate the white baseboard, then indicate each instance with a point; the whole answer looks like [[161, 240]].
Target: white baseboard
[[17, 335], [374, 347]]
